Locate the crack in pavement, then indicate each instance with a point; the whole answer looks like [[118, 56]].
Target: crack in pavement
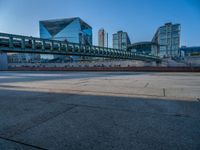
[[41, 121], [22, 143], [146, 85]]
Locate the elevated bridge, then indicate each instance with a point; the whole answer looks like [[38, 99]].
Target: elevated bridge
[[26, 44]]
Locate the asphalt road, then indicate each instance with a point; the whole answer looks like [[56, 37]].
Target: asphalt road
[[99, 111]]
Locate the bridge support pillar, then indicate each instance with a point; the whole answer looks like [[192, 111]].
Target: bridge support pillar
[[3, 61], [158, 63]]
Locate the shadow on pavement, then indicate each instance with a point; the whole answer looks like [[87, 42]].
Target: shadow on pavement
[[75, 121]]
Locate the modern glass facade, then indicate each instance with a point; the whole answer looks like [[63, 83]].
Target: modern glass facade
[[121, 40], [148, 48], [190, 51], [102, 38], [168, 39], [72, 30]]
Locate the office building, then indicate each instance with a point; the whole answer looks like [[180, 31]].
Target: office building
[[148, 48], [190, 51], [168, 39], [102, 38], [70, 29], [121, 40], [190, 55]]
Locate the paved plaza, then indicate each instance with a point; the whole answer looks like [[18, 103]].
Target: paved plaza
[[99, 111]]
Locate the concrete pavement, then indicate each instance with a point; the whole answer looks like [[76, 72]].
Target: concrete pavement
[[77, 110]]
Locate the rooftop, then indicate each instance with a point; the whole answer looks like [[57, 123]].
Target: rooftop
[[56, 25]]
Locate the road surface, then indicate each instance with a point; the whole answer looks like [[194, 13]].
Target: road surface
[[99, 110]]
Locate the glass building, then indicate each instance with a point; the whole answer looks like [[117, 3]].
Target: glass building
[[168, 39], [189, 51], [102, 38], [148, 48], [71, 29], [121, 40]]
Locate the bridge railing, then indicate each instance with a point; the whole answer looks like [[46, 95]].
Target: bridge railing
[[28, 44]]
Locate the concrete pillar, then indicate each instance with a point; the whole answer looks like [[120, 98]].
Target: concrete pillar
[[3, 61]]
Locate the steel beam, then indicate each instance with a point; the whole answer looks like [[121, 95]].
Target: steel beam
[[26, 44]]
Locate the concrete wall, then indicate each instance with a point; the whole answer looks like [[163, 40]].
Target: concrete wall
[[192, 60], [3, 61], [102, 63]]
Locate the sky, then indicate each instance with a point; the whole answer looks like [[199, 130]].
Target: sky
[[139, 18]]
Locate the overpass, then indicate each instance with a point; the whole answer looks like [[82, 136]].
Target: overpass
[[26, 44]]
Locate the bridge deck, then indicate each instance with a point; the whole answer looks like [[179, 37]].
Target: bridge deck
[[26, 44]]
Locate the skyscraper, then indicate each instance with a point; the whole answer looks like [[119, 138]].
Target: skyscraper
[[102, 38], [168, 39], [121, 40]]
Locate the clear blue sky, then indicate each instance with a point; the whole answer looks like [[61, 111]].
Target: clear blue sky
[[140, 18]]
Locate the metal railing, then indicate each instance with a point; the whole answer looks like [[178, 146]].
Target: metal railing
[[27, 44]]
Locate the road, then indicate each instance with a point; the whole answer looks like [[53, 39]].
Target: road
[[99, 110]]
